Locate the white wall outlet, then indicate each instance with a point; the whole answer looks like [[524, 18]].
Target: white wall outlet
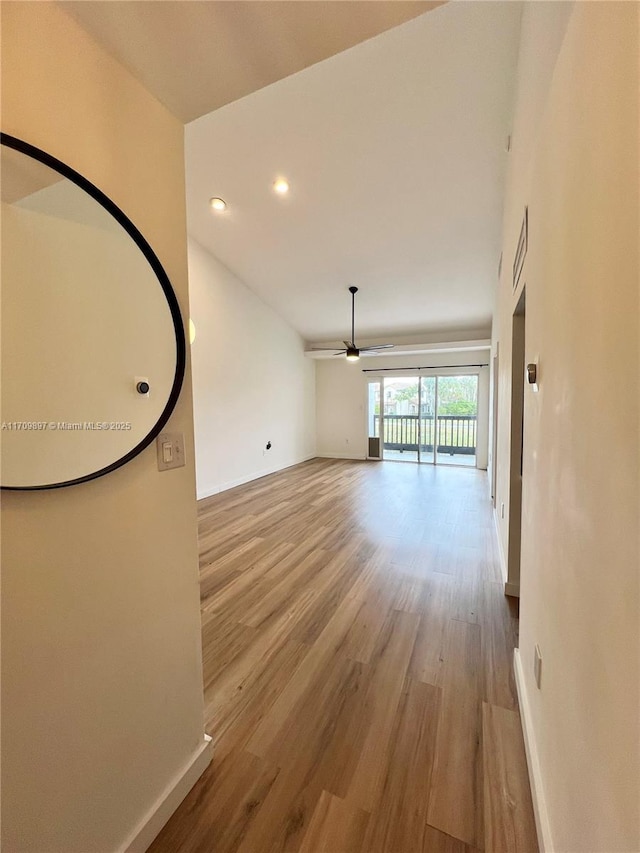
[[170, 450], [537, 665]]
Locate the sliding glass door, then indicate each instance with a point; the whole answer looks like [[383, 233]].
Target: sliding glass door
[[400, 415], [457, 420], [427, 424], [430, 419]]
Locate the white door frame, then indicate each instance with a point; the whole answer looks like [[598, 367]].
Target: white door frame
[[373, 380]]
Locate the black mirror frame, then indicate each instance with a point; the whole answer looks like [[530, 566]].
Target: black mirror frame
[[163, 280]]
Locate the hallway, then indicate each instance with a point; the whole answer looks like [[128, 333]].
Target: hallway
[[358, 674]]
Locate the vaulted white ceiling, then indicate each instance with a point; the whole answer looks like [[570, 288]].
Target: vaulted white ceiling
[[196, 55], [394, 148], [396, 154]]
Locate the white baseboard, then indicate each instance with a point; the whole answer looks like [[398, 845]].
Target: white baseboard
[[503, 562], [149, 827], [533, 764], [341, 456], [207, 491]]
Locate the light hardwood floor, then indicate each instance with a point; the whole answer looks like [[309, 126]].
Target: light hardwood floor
[[357, 669]]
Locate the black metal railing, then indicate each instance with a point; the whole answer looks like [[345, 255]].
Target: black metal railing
[[456, 433]]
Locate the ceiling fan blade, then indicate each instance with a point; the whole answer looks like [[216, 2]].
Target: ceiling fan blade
[[349, 344], [324, 349], [340, 352], [377, 347]]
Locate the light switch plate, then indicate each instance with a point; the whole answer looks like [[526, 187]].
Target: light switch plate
[[170, 450]]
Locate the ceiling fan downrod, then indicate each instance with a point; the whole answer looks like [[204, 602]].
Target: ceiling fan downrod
[[353, 290]]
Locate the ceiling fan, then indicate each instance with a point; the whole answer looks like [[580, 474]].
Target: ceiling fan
[[351, 350]]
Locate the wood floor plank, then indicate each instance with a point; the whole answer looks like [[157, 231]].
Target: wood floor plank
[[220, 650], [299, 580], [391, 662], [509, 823], [325, 710], [462, 657], [399, 816], [254, 657], [410, 596], [335, 827], [232, 718], [235, 533], [439, 842], [491, 557], [331, 587], [362, 637], [219, 809], [499, 638], [353, 622], [324, 649], [252, 572], [455, 798], [467, 598], [428, 655]]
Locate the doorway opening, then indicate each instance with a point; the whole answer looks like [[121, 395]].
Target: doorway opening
[[517, 443], [430, 419]]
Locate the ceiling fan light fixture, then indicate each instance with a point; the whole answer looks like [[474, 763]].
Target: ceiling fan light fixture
[[351, 351]]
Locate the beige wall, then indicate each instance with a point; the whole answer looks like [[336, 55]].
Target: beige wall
[[51, 305], [101, 667], [575, 164], [251, 381]]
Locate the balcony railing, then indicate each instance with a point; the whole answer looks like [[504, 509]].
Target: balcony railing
[[456, 433]]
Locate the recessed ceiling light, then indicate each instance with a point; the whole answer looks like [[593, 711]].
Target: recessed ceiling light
[[281, 186], [218, 204]]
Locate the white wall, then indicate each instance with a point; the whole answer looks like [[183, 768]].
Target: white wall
[[101, 654], [251, 381], [575, 163], [342, 398]]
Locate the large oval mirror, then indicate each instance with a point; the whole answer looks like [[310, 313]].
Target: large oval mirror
[[93, 348]]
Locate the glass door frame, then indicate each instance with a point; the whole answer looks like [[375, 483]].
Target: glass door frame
[[379, 381], [433, 454]]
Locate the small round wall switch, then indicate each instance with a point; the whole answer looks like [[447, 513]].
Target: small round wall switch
[[141, 384]]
